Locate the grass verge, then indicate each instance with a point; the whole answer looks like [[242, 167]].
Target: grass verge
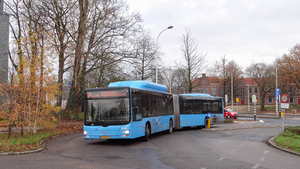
[[31, 141], [289, 139], [228, 120]]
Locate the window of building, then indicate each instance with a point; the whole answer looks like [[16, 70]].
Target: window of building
[[203, 82], [291, 89], [291, 99], [222, 91], [214, 91], [194, 91], [242, 90], [206, 91], [250, 90], [270, 99], [201, 90], [255, 90]]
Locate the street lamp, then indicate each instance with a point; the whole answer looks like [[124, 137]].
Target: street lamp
[[276, 97], [170, 27]]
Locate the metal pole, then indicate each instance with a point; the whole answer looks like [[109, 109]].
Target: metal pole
[[170, 27], [226, 99], [276, 99], [231, 91], [170, 79], [255, 110], [248, 100]]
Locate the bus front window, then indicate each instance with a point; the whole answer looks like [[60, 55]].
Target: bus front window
[[107, 111]]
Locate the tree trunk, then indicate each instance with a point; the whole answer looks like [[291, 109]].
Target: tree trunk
[[74, 101]]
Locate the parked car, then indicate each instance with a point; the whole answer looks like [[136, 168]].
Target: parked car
[[230, 113]]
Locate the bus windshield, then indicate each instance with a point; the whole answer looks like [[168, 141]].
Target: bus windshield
[[106, 112]]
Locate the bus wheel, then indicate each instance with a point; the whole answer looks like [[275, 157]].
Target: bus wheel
[[170, 131], [147, 133], [206, 123]]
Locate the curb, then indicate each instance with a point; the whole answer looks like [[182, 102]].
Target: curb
[[259, 116], [42, 142], [241, 127], [271, 142]]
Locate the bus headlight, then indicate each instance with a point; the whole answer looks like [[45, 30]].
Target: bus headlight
[[85, 132], [126, 131]]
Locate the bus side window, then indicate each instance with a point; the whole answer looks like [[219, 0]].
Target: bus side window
[[137, 106], [137, 116]]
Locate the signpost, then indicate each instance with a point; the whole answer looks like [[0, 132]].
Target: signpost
[[226, 99], [284, 98], [254, 102]]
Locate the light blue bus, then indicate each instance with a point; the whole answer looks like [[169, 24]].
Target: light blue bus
[[195, 109], [127, 110]]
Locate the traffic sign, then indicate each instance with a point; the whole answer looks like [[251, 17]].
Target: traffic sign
[[284, 98], [277, 93], [284, 105]]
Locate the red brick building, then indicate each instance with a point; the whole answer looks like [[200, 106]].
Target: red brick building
[[247, 88]]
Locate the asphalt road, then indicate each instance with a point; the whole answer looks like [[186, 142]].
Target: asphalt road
[[186, 148]]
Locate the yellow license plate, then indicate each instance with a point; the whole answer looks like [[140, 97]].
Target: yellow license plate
[[105, 137]]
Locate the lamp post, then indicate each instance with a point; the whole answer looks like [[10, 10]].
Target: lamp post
[[170, 27], [276, 98], [248, 99]]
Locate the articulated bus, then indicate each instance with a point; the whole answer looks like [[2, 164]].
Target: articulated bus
[[127, 110], [195, 109], [132, 109]]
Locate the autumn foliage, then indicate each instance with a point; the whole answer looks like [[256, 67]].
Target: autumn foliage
[[31, 90]]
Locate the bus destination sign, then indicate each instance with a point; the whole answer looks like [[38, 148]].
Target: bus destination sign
[[106, 94]]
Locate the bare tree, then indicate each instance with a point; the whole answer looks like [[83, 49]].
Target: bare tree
[[263, 76], [146, 57], [194, 62], [178, 82], [222, 74], [103, 32], [60, 20], [223, 71]]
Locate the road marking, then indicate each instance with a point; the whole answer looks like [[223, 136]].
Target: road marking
[[255, 167], [222, 158], [232, 151], [241, 145], [203, 168], [266, 152], [262, 159]]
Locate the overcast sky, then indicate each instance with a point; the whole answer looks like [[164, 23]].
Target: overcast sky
[[246, 31]]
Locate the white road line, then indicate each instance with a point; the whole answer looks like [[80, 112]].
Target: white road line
[[255, 167], [262, 159], [222, 158], [266, 152], [203, 168], [241, 145], [232, 151]]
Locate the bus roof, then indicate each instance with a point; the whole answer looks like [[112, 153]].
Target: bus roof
[[196, 94], [140, 85]]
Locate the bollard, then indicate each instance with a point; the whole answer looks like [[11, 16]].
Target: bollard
[[208, 123], [254, 112]]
